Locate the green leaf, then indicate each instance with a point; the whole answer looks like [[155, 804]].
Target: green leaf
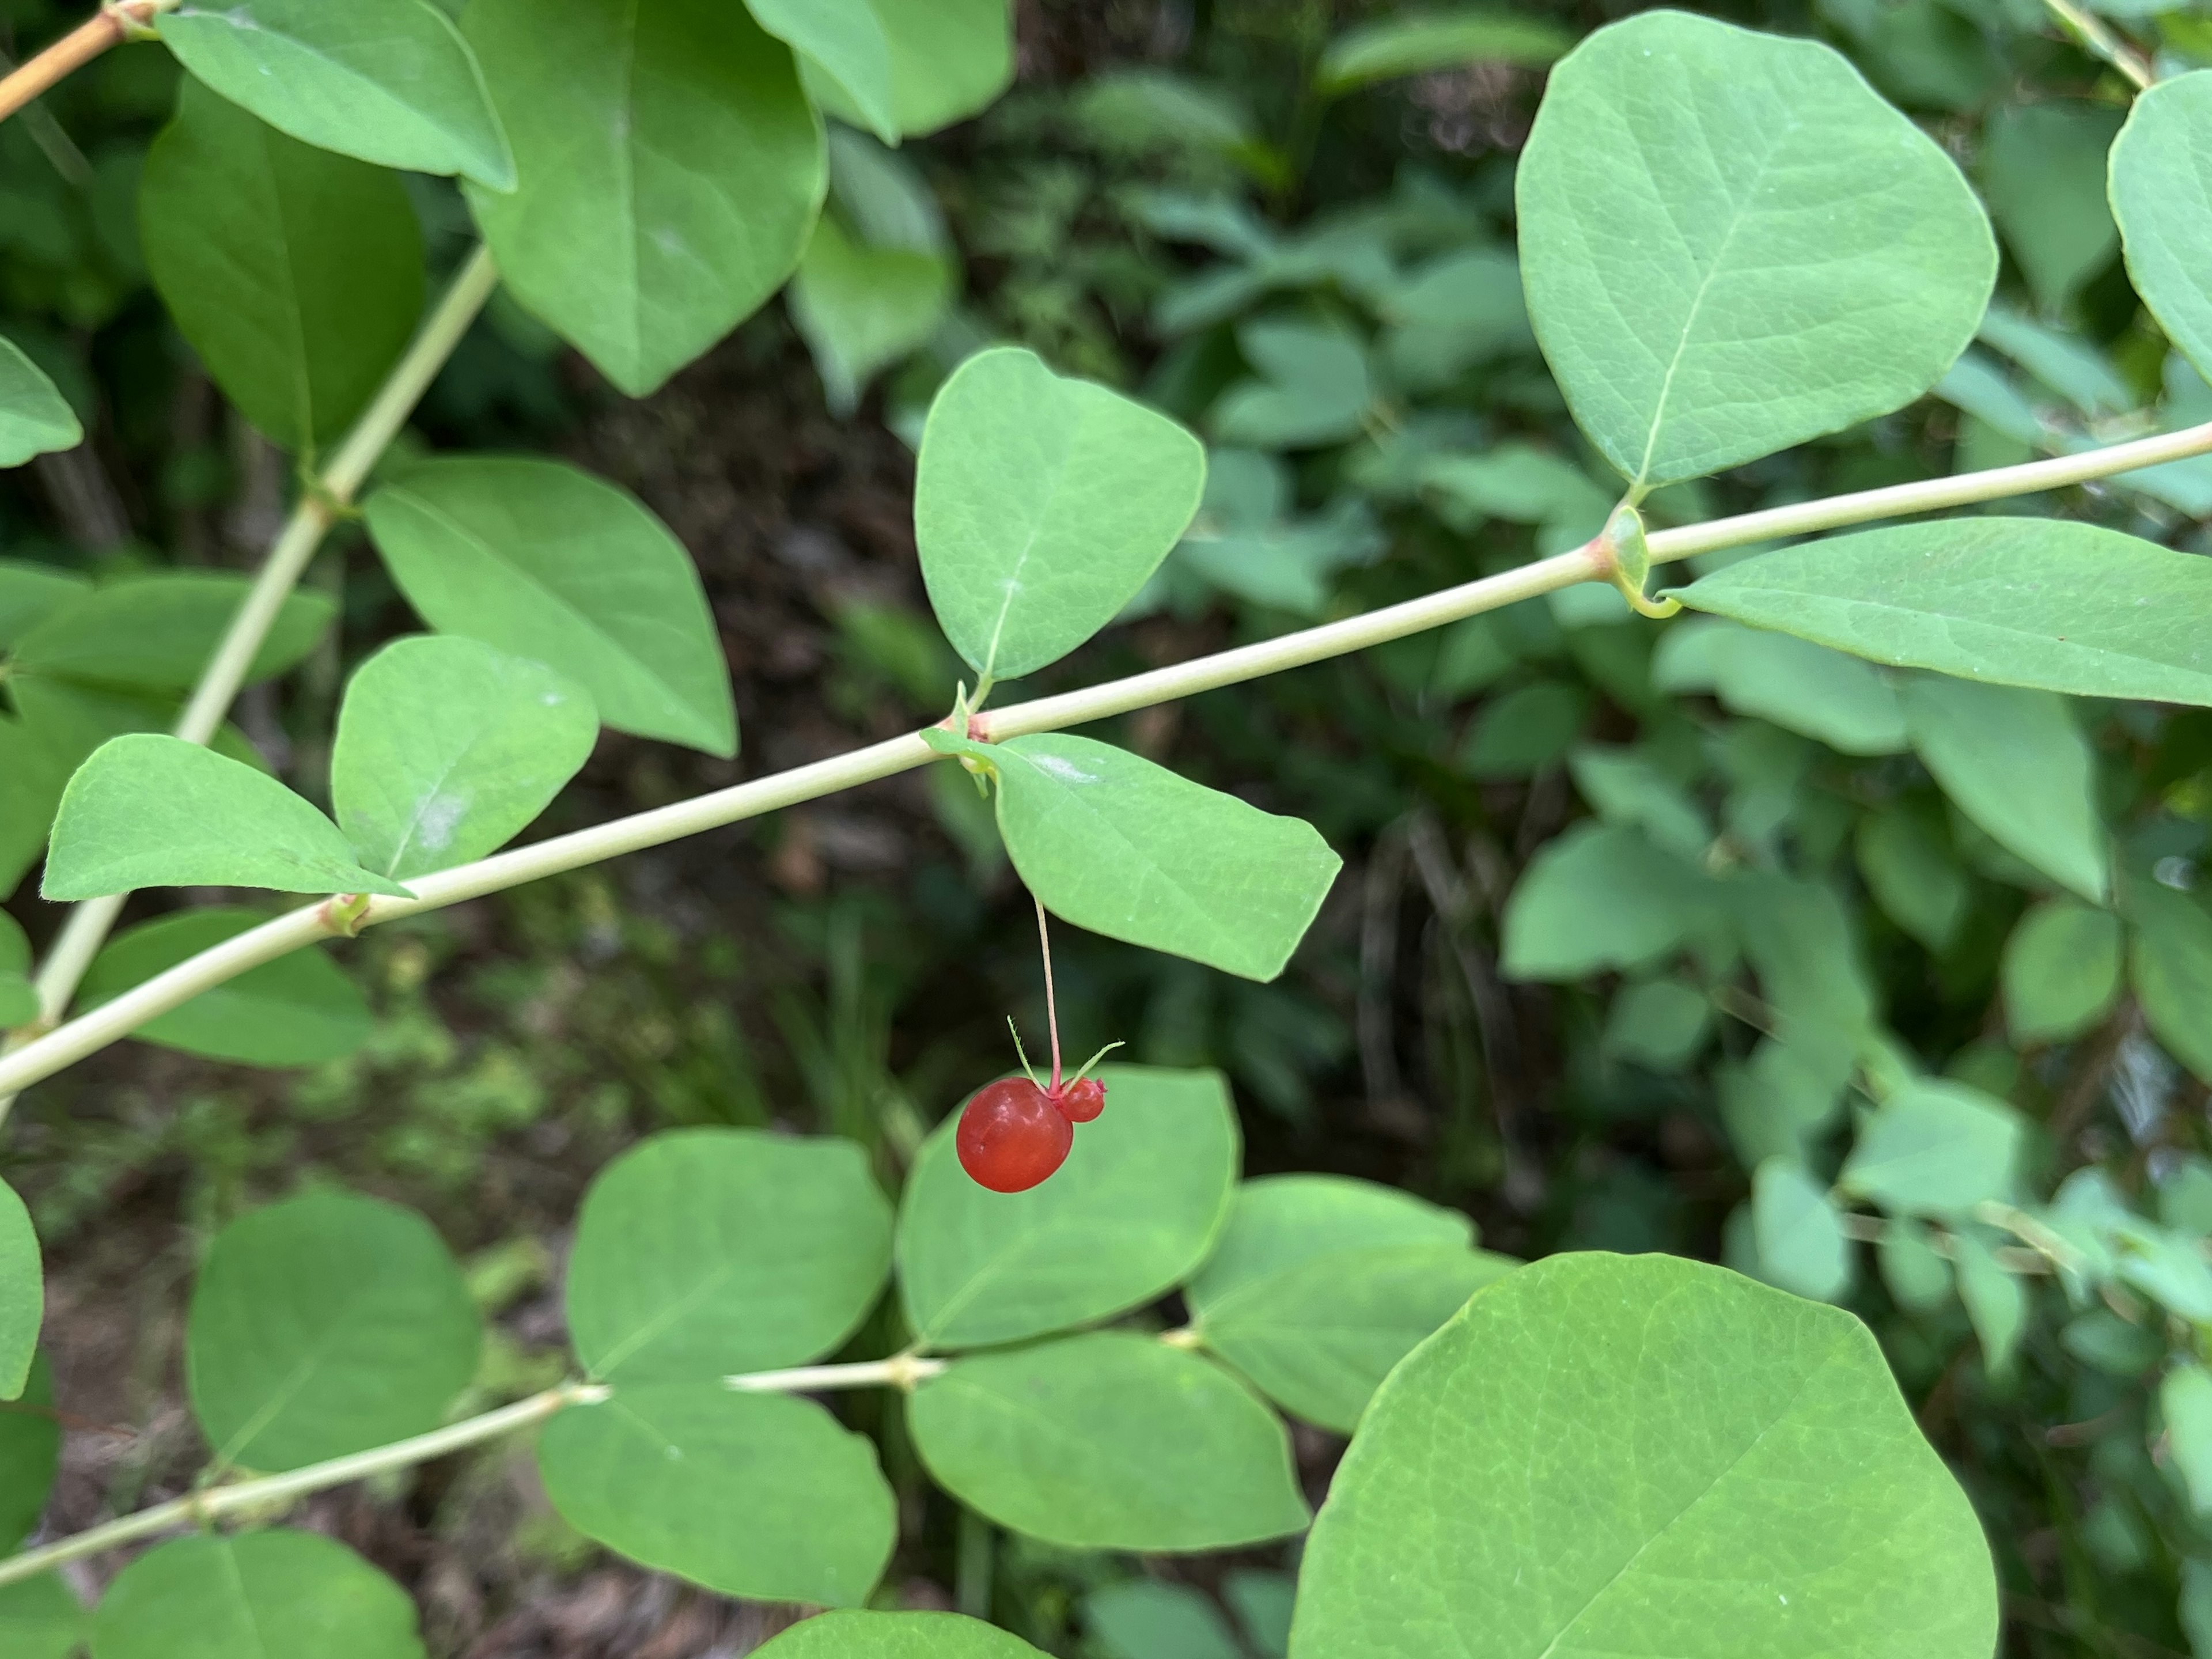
[[2042, 173], [668, 172], [1823, 695], [30, 1453], [2061, 971], [2170, 965], [2161, 194], [861, 308], [1912, 876], [22, 1293], [158, 632], [19, 997], [324, 1325], [30, 592], [546, 562], [1313, 388], [448, 749], [387, 80], [299, 1010], [841, 42], [950, 59], [1320, 1283], [2051, 603], [1417, 44], [1615, 1455], [756, 1495], [1916, 1272], [1801, 1247], [883, 198], [1996, 1302], [34, 418], [1595, 897], [1151, 1618], [295, 274], [208, 1597], [1041, 506], [2185, 1400], [40, 1618], [155, 811], [1111, 842], [895, 1635], [1139, 1203], [2015, 762], [1732, 245], [1935, 1148], [1109, 1441], [1661, 1024], [707, 1251]]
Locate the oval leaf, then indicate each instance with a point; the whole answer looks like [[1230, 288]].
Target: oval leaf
[[1935, 1148], [387, 80], [1799, 1237], [1041, 506], [34, 418], [861, 308], [447, 748], [41, 1619], [751, 1495], [841, 42], [548, 563], [1109, 1441], [2015, 762], [707, 1251], [30, 1453], [295, 274], [2061, 971], [19, 997], [299, 1010], [324, 1325], [1136, 1207], [950, 59], [895, 1635], [1730, 1465], [22, 1293], [2048, 602], [158, 632], [1114, 843], [2170, 964], [668, 171], [1732, 245], [279, 1592], [1420, 44], [155, 811], [2161, 194]]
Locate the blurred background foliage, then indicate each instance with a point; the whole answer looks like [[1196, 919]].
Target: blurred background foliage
[[1294, 232]]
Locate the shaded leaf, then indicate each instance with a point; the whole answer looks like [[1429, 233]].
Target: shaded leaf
[[1732, 245], [1313, 388], [2161, 195], [1597, 896], [2061, 971], [2050, 603], [546, 562], [652, 1473], [34, 418], [387, 80], [155, 811], [208, 1597], [324, 1325], [895, 1635], [841, 42], [1420, 44], [1801, 1247], [1041, 506], [2042, 173], [1111, 842], [1996, 1302], [707, 1251], [30, 1453], [668, 172], [1912, 876], [2170, 966], [863, 307], [1139, 1203], [295, 274], [22, 1293], [447, 748], [299, 1010], [1109, 1441], [40, 1618], [950, 59], [157, 632], [1935, 1148]]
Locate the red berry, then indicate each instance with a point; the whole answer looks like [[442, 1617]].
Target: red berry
[[1010, 1137], [1082, 1100]]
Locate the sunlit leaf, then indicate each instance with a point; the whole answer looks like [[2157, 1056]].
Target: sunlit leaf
[[34, 418], [210, 1596]]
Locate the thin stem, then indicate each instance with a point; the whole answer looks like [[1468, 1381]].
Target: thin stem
[[111, 26], [901, 1371], [90, 1032], [1051, 1008], [2103, 43], [197, 1508], [319, 508]]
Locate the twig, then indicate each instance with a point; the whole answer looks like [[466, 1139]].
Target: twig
[[92, 1031], [2103, 43], [111, 26]]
